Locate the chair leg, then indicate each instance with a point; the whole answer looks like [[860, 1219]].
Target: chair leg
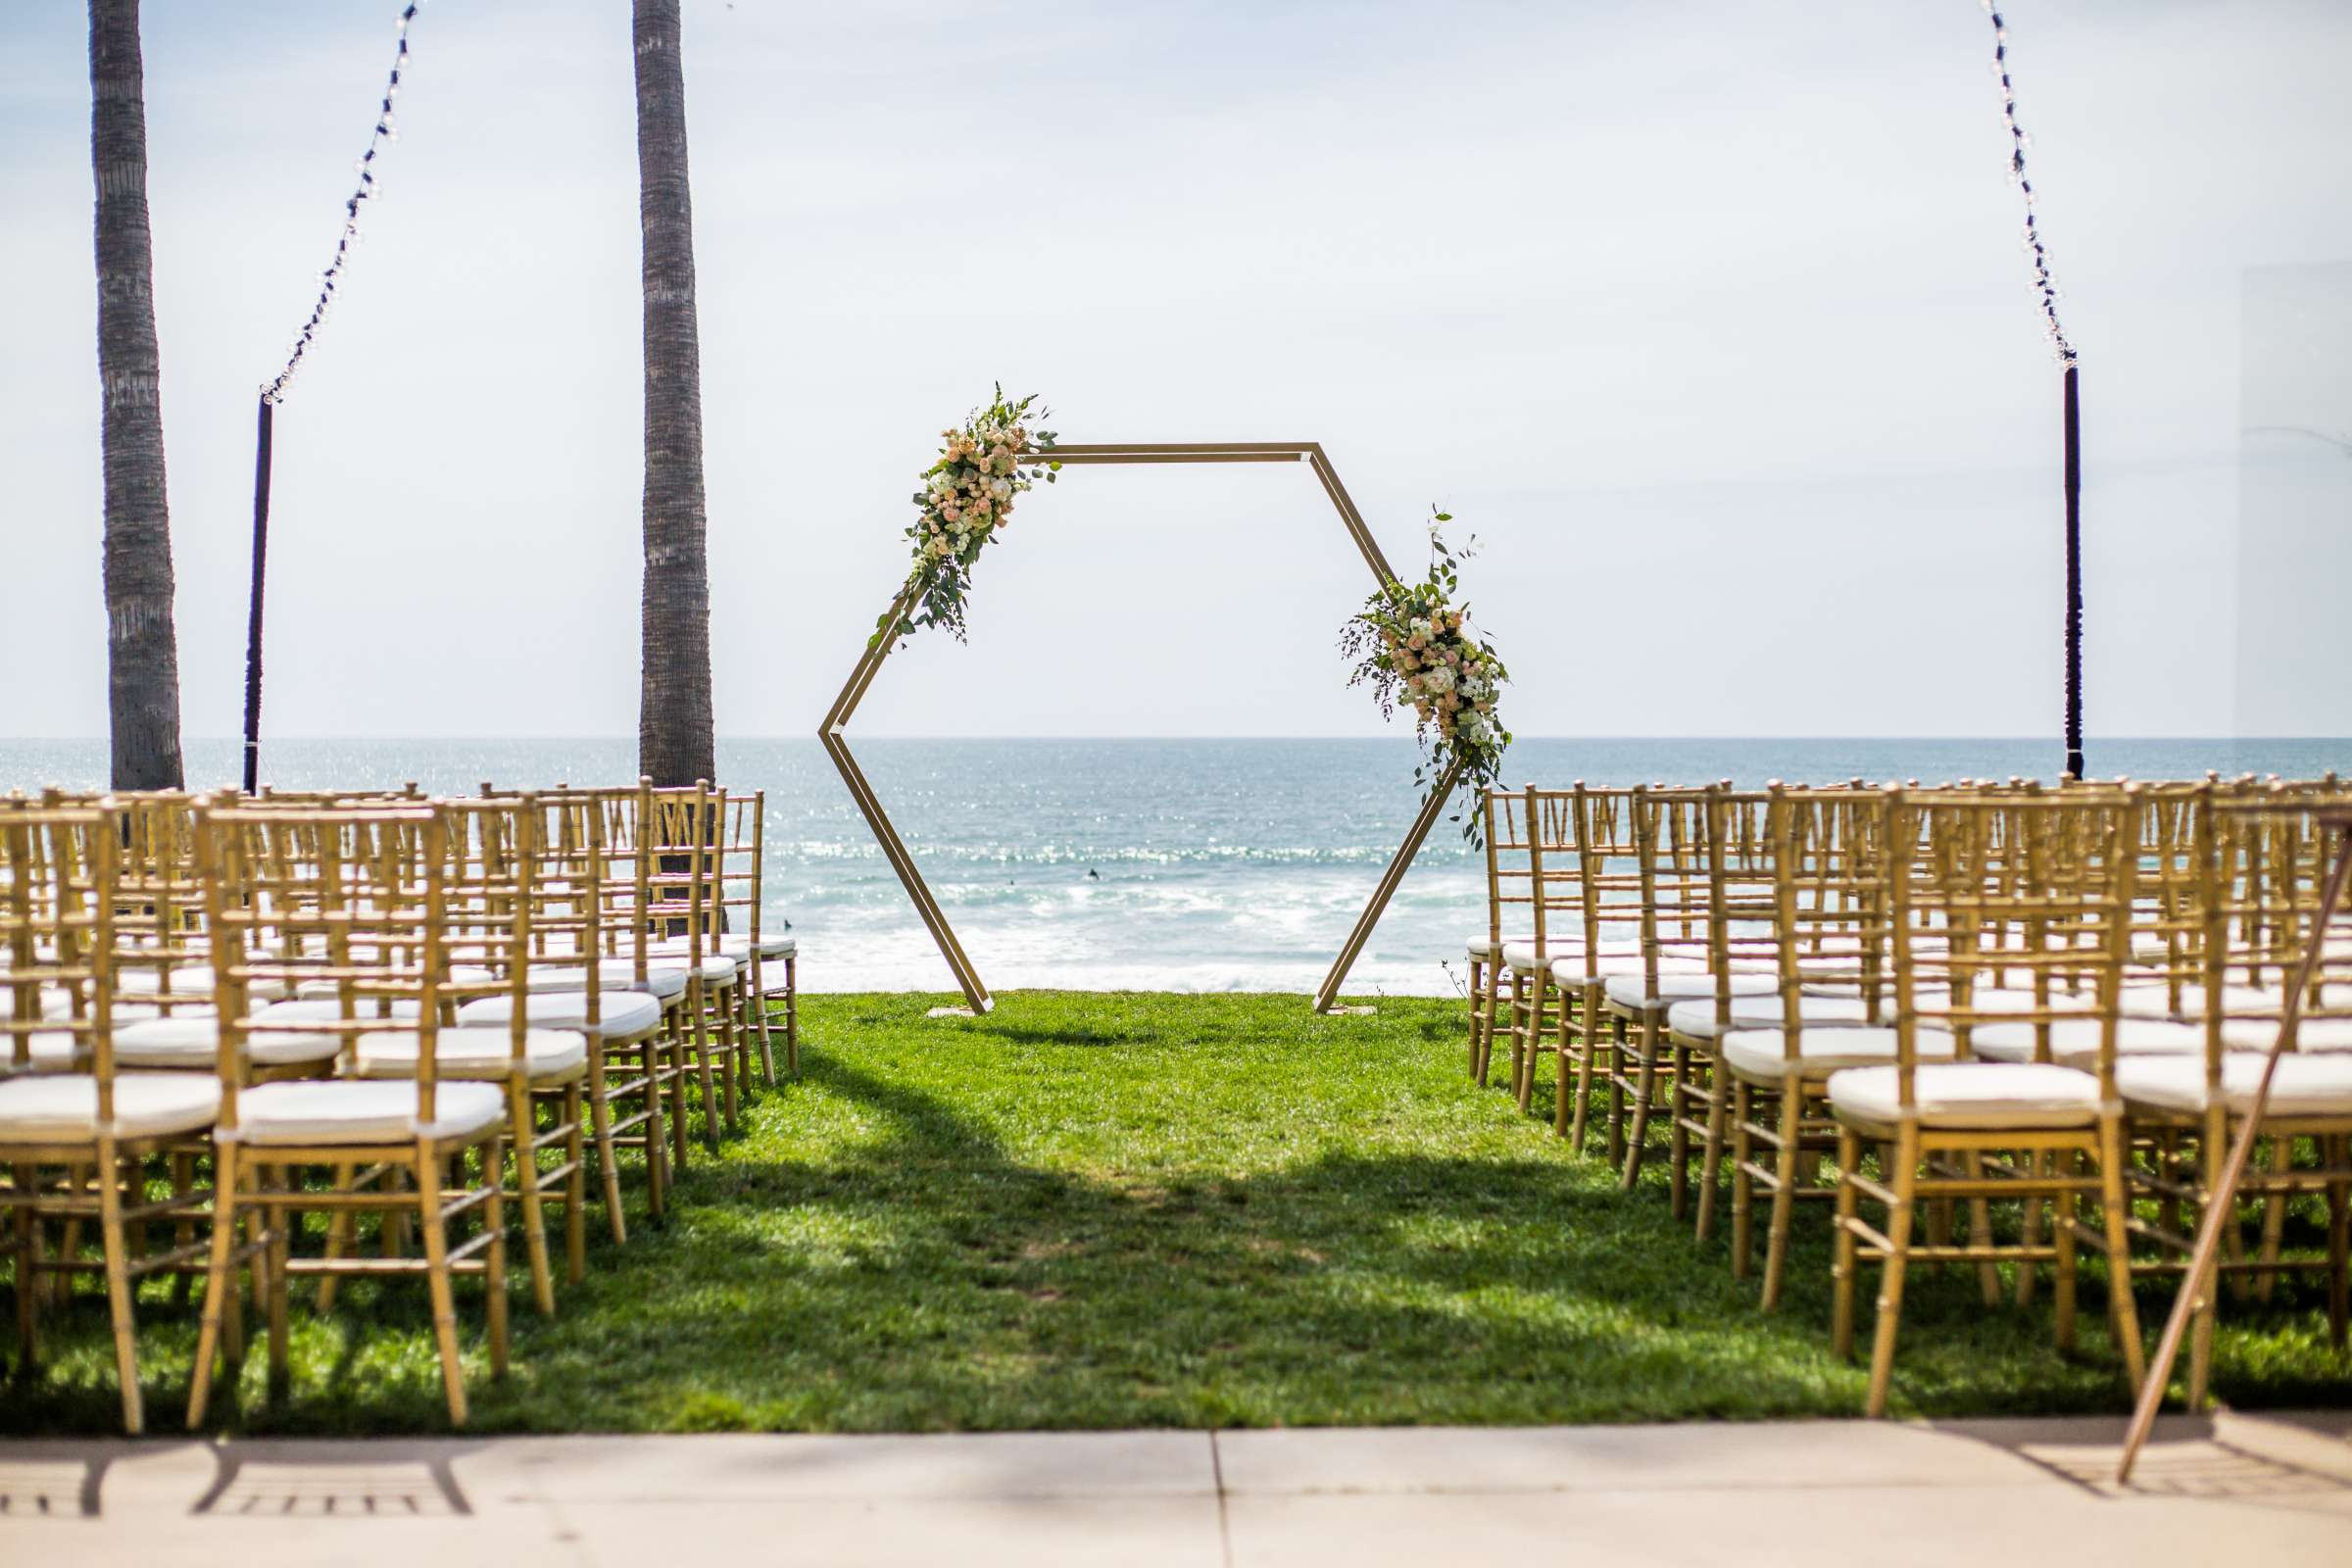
[[1645, 1088], [339, 1237], [2059, 1163], [1616, 1089], [1845, 1258], [1710, 1166], [698, 1039], [608, 1158], [494, 1265], [2274, 1217], [219, 1286], [114, 1241], [2115, 1205], [1784, 1193], [522, 1120], [435, 1229], [1587, 1046], [1743, 1184], [1905, 1183], [2040, 1162], [1526, 1030], [575, 1185], [278, 1232], [2340, 1244], [656, 1131], [28, 1250], [1563, 1087], [792, 1015], [756, 1005], [1678, 1136], [732, 1063], [1980, 1234], [1478, 974]]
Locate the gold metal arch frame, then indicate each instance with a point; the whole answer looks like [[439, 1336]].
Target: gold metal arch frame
[[894, 848]]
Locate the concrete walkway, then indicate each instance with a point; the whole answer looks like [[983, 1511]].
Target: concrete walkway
[[2271, 1489]]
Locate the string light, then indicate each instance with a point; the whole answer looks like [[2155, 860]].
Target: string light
[[370, 188], [2046, 287]]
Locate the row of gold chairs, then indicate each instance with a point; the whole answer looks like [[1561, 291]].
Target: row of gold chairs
[[1984, 1025], [429, 1023]]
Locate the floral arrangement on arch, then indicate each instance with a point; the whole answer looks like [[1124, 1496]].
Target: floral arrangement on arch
[[967, 500], [1413, 644]]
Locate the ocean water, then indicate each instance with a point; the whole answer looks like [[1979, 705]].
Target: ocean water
[[1153, 864]]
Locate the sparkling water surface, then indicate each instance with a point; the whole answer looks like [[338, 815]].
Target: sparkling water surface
[[1148, 865]]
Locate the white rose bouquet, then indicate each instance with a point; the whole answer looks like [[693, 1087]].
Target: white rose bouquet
[[967, 500], [1415, 648]]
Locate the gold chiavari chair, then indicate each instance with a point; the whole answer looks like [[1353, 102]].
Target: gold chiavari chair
[[1964, 872], [564, 976], [1547, 969], [1597, 886], [1509, 885], [357, 898], [743, 865], [1738, 894], [1528, 961], [2261, 869], [74, 1145], [489, 885], [1776, 1052], [600, 826], [678, 866], [1675, 905]]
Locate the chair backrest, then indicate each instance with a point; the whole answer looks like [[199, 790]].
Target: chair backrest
[[1510, 883], [356, 896], [58, 937], [1991, 889], [743, 862]]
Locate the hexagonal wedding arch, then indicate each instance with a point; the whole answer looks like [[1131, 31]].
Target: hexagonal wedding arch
[[837, 717]]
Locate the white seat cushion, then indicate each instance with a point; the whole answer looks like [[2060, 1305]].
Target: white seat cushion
[[1681, 985], [193, 1045], [343, 1111], [1762, 1055], [188, 979], [1763, 1010], [52, 1051], [1972, 1095], [320, 1010], [2075, 1041], [770, 947], [460, 974], [474, 1052], [58, 1108], [717, 967], [2155, 1002], [2305, 1085], [2329, 1034], [663, 980], [1568, 957], [624, 1015], [53, 1001]]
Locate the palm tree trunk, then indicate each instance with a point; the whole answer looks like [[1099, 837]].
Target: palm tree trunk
[[142, 646], [673, 720]]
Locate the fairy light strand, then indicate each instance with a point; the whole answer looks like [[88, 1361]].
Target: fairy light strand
[[2046, 287], [370, 187]]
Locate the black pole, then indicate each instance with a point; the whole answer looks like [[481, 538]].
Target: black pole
[[253, 616], [2073, 572]]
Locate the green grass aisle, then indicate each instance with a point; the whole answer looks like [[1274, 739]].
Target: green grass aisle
[[1108, 1210]]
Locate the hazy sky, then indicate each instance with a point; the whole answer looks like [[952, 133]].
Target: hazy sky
[[1709, 318]]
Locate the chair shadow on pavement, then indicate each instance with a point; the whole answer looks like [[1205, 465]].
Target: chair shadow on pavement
[[53, 1481], [369, 1478]]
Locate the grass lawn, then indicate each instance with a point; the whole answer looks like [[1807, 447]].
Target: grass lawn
[[1112, 1210]]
